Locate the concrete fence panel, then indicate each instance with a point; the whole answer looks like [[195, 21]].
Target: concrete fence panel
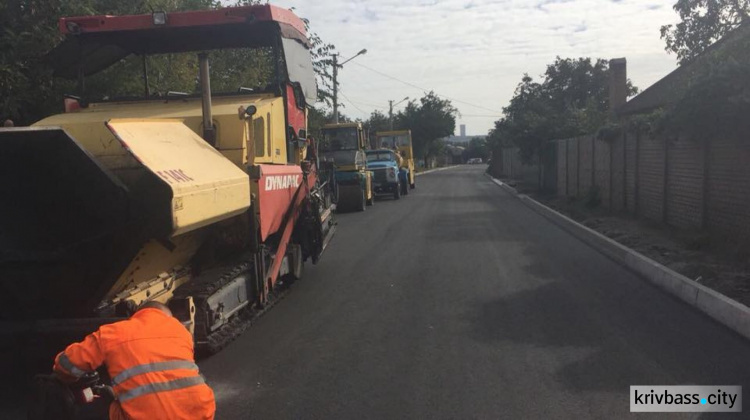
[[728, 205], [602, 170], [651, 177], [691, 184], [573, 168], [685, 184], [631, 171]]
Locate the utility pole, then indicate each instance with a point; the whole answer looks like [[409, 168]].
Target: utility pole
[[335, 89], [390, 113], [390, 110], [336, 66]]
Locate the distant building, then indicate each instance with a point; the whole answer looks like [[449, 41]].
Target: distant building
[[463, 130]]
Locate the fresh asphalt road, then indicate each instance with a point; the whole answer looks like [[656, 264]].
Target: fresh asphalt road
[[459, 302]]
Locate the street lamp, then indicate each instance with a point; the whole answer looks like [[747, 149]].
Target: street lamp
[[390, 110], [336, 66]]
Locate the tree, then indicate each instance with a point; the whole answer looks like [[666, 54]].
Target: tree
[[322, 59], [28, 91], [572, 99], [377, 122], [477, 148], [703, 22], [429, 120], [316, 119]]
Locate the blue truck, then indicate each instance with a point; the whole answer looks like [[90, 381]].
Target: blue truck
[[389, 177]]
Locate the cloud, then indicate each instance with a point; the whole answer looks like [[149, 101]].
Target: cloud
[[478, 50]]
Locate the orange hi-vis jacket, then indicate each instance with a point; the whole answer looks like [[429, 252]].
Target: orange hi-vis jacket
[[150, 360]]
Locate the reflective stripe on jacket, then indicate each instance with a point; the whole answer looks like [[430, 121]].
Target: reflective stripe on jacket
[[150, 360]]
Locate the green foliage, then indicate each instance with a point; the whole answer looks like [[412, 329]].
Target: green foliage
[[322, 58], [429, 120], [376, 122], [477, 148], [715, 105], [316, 119], [651, 123], [609, 132], [572, 99], [28, 30], [28, 91], [702, 22], [319, 116]]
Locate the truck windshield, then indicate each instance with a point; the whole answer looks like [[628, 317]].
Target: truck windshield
[[239, 70], [380, 156], [340, 138], [392, 142]]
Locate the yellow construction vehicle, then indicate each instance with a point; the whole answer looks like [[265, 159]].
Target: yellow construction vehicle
[[205, 201], [400, 141], [344, 145]]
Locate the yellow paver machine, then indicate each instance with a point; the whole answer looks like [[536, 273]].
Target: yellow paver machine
[[207, 201]]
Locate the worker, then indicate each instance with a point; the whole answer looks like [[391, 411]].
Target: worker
[[399, 158], [150, 360]]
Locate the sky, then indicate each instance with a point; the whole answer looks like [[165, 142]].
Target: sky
[[476, 51]]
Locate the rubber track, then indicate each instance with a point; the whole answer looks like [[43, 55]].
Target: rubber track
[[211, 281], [239, 323]]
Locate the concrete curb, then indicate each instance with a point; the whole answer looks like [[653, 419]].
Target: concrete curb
[[434, 170], [726, 311]]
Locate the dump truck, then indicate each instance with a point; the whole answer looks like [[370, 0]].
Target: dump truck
[[344, 145], [400, 141], [205, 200]]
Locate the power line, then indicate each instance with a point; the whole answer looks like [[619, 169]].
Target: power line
[[423, 89], [370, 104], [352, 103]]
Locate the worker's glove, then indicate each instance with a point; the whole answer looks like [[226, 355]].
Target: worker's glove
[[105, 391]]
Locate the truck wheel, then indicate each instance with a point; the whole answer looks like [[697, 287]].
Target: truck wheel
[[397, 191], [362, 204]]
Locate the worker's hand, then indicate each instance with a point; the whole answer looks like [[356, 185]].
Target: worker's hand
[[105, 391]]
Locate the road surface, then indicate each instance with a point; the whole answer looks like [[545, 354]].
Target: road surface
[[459, 302]]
